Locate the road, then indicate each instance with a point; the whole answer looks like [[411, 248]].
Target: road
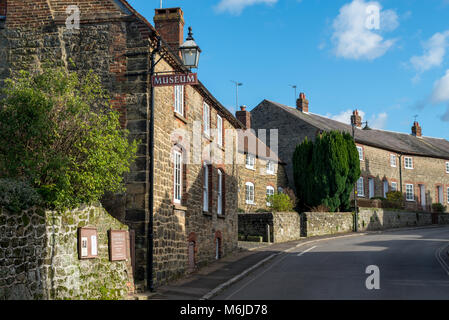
[[409, 262]]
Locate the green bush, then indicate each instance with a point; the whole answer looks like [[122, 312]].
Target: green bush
[[280, 202], [325, 171], [395, 199], [438, 207], [67, 140], [16, 195]]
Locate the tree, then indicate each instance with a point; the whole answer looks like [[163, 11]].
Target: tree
[[325, 171], [59, 134]]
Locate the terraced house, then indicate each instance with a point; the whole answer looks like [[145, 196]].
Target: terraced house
[[416, 165], [261, 172], [195, 214]]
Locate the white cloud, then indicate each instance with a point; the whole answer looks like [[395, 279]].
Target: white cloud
[[355, 37], [434, 52], [378, 121], [236, 6], [441, 90]]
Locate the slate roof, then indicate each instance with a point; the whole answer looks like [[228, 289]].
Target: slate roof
[[388, 140]]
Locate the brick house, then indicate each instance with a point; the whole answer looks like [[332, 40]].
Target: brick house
[[195, 214], [411, 163], [261, 172]]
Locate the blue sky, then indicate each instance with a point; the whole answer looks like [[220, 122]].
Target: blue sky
[[336, 51]]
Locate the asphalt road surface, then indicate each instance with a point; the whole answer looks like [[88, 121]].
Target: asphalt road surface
[[412, 264]]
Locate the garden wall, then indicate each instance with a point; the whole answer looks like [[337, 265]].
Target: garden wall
[[283, 226], [369, 219], [39, 256]]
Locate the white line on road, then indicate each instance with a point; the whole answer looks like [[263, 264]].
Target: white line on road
[[305, 251], [441, 260]]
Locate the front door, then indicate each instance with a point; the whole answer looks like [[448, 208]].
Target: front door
[[371, 188], [423, 196]]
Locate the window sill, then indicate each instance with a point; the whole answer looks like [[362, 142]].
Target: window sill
[[250, 168], [250, 203], [221, 216], [177, 206], [207, 214], [180, 117], [410, 200], [207, 137]]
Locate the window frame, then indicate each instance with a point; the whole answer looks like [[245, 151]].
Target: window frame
[[179, 99], [271, 189], [270, 164], [411, 163], [205, 187], [177, 175], [447, 194], [362, 180], [447, 167], [361, 153], [206, 119], [252, 164], [250, 200], [407, 185], [393, 156], [395, 184], [220, 193], [219, 130]]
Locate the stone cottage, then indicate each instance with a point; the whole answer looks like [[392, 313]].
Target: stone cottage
[[416, 165], [261, 172], [195, 176]]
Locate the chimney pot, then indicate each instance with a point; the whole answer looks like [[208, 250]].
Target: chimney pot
[[416, 129], [356, 119], [244, 116], [302, 104]]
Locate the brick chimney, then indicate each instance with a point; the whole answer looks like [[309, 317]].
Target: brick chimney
[[356, 119], [244, 117], [302, 104], [170, 24], [416, 129]]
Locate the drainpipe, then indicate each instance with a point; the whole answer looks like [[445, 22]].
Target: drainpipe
[[400, 171], [150, 260]]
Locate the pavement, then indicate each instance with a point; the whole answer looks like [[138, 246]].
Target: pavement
[[411, 264]]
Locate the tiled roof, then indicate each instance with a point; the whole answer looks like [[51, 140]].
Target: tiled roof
[[392, 141]]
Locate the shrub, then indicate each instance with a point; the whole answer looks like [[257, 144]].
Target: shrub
[[16, 195], [438, 207], [280, 202], [395, 199], [325, 171], [320, 208], [68, 141]]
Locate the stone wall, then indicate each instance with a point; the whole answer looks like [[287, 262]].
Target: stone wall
[[379, 219], [39, 256], [281, 226], [369, 219], [325, 223]]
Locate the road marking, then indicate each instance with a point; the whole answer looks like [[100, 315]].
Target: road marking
[[305, 251], [441, 260], [256, 277]]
